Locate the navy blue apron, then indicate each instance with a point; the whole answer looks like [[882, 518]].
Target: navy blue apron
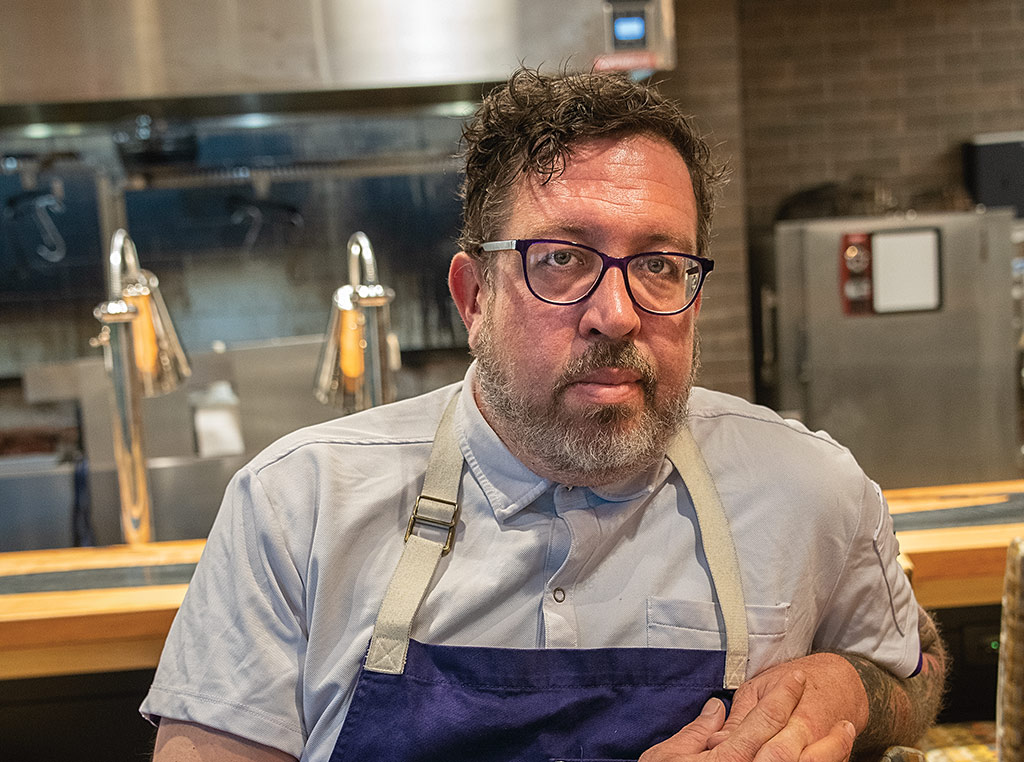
[[419, 702]]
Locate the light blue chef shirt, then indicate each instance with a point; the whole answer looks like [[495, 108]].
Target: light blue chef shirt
[[270, 637]]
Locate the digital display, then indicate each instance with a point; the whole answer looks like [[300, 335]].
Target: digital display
[[629, 28]]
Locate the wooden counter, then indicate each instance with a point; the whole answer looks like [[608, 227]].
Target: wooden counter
[[960, 565], [64, 632], [104, 629]]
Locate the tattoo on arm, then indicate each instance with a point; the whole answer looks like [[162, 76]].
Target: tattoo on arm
[[901, 710]]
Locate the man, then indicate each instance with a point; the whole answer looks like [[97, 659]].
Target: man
[[617, 550]]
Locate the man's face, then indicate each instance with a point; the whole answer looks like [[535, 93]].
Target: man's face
[[586, 393]]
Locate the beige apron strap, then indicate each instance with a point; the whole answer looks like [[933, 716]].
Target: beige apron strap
[[437, 506], [719, 550]]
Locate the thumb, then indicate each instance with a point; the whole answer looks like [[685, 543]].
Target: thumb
[[692, 739], [742, 703]]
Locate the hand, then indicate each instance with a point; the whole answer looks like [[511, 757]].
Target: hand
[[749, 736], [833, 693]]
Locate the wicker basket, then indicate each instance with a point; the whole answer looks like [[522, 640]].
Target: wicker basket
[[1010, 701]]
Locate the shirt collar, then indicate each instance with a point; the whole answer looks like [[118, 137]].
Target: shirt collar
[[508, 484], [638, 485]]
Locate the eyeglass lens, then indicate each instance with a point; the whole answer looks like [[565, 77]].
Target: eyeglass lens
[[660, 282]]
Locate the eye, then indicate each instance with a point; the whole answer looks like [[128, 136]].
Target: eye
[[561, 257], [658, 265], [654, 265]]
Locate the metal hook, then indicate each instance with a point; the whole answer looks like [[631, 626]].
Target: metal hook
[[361, 252], [255, 217], [53, 248]]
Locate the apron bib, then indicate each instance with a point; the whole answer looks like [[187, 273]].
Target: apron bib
[[417, 702]]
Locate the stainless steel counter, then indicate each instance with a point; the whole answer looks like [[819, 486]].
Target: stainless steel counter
[[37, 499], [273, 381]]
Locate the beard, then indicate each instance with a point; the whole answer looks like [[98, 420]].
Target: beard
[[599, 444]]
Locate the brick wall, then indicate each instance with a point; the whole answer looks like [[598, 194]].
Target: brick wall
[[707, 83], [885, 90]]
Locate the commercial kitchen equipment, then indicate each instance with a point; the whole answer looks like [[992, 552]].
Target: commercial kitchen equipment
[[896, 335], [292, 46], [360, 353], [994, 169], [144, 358]]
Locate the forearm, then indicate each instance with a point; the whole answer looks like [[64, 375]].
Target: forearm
[[187, 742], [900, 710]]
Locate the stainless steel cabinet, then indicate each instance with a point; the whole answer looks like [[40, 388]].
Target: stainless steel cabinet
[[924, 390]]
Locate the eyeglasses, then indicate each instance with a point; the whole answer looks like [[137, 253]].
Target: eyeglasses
[[562, 272]]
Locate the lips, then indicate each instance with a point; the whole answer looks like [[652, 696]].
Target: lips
[[609, 377], [607, 386], [608, 372]]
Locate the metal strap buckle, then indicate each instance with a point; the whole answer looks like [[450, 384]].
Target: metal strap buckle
[[441, 524]]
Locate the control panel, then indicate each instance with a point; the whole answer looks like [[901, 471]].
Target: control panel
[[639, 36], [894, 271]]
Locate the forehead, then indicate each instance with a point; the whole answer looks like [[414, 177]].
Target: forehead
[[632, 189]]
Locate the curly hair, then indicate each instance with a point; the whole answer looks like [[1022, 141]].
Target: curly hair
[[531, 124]]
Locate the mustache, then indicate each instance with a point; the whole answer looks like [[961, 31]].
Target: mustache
[[619, 354]]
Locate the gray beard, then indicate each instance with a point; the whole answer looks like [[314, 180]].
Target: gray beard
[[598, 446]]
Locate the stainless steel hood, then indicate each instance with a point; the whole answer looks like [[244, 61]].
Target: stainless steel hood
[[99, 50]]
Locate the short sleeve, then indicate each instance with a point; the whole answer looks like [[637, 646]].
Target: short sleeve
[[872, 610], [233, 658]]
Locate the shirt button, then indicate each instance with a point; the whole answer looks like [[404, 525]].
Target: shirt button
[[558, 594]]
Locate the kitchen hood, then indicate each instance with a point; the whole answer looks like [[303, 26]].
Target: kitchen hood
[[55, 51]]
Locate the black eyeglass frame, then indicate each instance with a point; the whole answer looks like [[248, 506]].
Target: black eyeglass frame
[[522, 244]]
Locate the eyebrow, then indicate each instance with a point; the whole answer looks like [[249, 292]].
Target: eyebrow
[[666, 242], [686, 245]]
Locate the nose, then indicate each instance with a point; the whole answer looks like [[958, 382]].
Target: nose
[[609, 311]]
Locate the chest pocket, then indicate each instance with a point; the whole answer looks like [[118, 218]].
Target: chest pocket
[[673, 623]]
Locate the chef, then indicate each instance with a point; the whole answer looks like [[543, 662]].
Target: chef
[[575, 553]]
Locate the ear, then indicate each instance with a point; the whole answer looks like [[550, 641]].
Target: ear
[[469, 290]]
